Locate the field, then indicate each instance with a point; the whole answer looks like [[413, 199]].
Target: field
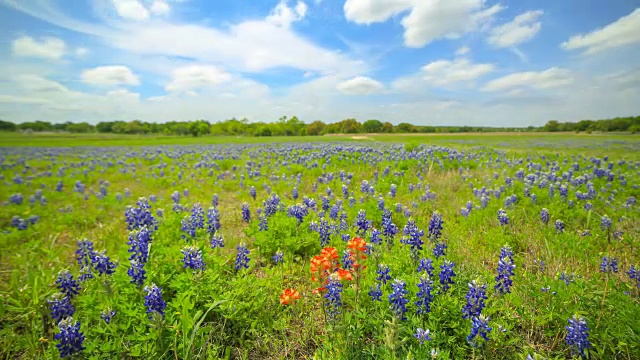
[[495, 246]]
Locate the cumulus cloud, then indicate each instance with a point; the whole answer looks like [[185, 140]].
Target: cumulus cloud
[[521, 29], [624, 31], [160, 7], [196, 76], [550, 78], [110, 75], [463, 50], [47, 48], [427, 20], [131, 9], [283, 15], [360, 85], [445, 72]]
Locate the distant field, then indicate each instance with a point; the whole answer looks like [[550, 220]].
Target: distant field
[[586, 144]]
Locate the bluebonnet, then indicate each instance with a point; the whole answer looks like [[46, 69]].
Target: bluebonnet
[[634, 274], [213, 220], [435, 226], [469, 206], [19, 223], [214, 200], [476, 296], [217, 241], [605, 222], [60, 306], [59, 186], [424, 295], [262, 224], [271, 205], [578, 335], [503, 218], [414, 234], [324, 230], [333, 212], [504, 279], [588, 206], [585, 232], [559, 226], [534, 198], [383, 273], [375, 292], [439, 249], [175, 197], [609, 264], [189, 227], [375, 237], [298, 212], [185, 192], [102, 263], [192, 258], [398, 298], [107, 314], [464, 212], [447, 274], [479, 326], [426, 265], [278, 257], [617, 235], [422, 335], [79, 187], [393, 190], [252, 192], [242, 257], [506, 252], [347, 260], [380, 203], [567, 278], [362, 223], [84, 253], [389, 229], [153, 300], [333, 296], [70, 338], [246, 213], [137, 272], [345, 191], [140, 215]]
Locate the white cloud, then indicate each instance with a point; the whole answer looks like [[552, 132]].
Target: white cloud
[[47, 48], [80, 52], [522, 28], [36, 84], [464, 50], [360, 85], [445, 72], [624, 31], [283, 15], [428, 20], [552, 77], [195, 77], [131, 9], [372, 11], [160, 7], [124, 94], [110, 75]]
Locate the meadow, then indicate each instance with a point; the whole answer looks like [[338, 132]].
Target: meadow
[[474, 246]]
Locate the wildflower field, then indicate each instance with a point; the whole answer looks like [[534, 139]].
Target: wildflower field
[[375, 247]]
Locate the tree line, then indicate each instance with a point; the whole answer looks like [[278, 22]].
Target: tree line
[[293, 126]]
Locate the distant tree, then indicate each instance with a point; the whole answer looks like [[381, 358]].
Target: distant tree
[[7, 126], [387, 127], [552, 126], [349, 126], [316, 128], [405, 128], [82, 127], [372, 126]]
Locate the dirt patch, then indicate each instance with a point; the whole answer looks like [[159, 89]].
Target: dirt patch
[[360, 137]]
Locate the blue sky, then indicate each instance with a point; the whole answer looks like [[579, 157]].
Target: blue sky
[[428, 62]]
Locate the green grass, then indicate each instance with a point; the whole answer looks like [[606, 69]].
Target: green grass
[[221, 313]]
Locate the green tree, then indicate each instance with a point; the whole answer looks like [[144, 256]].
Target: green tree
[[552, 126], [7, 126], [316, 128], [372, 126]]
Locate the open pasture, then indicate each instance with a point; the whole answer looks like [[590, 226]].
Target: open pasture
[[377, 247]]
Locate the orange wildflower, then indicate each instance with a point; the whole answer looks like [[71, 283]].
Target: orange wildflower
[[330, 253], [357, 244], [344, 274], [289, 296]]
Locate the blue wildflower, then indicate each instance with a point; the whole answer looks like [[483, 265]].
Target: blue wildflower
[[60, 306], [422, 335], [153, 300], [217, 241], [383, 273], [242, 257], [375, 292], [435, 226], [107, 314], [439, 249], [609, 264], [398, 299], [278, 257], [67, 285], [70, 338], [192, 258], [362, 223], [559, 226], [479, 326], [246, 213], [447, 274], [426, 265], [425, 296], [578, 335], [333, 296], [503, 218], [605, 223], [476, 296]]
